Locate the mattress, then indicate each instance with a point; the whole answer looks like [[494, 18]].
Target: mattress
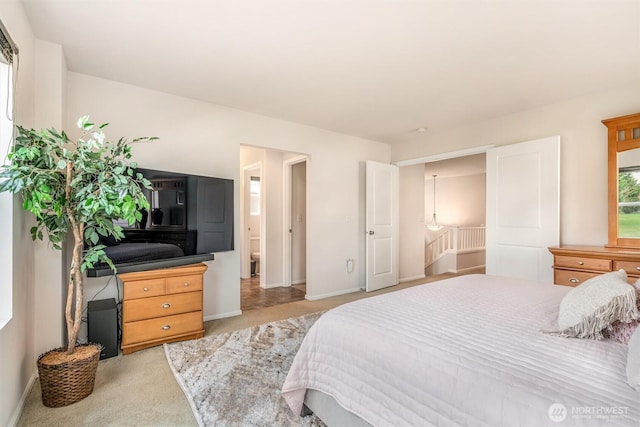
[[463, 351]]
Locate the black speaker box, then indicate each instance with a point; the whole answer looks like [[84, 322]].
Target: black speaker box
[[102, 323]]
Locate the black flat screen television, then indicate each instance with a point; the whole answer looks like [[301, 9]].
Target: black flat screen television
[[190, 218]]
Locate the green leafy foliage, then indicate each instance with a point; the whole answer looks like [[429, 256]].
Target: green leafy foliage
[[75, 187], [86, 183], [628, 191]]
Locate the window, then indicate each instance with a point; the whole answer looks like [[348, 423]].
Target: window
[[629, 201], [254, 192], [8, 51]]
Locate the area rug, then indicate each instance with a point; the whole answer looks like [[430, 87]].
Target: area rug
[[234, 379]]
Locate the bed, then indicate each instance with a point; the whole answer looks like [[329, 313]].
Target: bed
[[463, 351]]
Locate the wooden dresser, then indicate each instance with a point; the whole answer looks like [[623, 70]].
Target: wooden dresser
[[160, 306], [574, 264]]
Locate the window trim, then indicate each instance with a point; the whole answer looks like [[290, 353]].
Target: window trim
[[6, 199]]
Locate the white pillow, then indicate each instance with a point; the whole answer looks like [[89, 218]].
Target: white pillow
[[633, 361], [595, 304]]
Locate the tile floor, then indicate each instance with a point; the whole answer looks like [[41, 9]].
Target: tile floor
[[252, 296]]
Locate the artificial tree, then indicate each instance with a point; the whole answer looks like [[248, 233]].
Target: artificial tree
[[75, 188]]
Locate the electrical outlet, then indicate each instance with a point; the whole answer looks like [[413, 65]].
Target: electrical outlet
[[349, 265]]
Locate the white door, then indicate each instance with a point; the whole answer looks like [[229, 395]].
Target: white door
[[381, 225], [523, 209]]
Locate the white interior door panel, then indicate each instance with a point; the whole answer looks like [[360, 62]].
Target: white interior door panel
[[523, 208], [381, 225]]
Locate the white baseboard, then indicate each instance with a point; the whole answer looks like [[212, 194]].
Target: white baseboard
[[13, 421], [272, 285], [223, 315], [299, 282], [409, 279], [470, 251], [332, 294], [464, 270]]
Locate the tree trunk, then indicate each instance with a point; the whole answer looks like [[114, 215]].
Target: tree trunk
[[75, 287], [75, 294]]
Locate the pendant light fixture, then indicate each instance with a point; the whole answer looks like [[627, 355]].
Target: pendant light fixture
[[434, 224]]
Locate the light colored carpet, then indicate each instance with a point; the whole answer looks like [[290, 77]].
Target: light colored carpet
[[140, 389], [234, 379]]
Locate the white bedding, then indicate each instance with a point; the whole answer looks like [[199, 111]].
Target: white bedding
[[462, 351]]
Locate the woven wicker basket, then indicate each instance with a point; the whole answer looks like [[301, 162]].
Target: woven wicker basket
[[70, 381]]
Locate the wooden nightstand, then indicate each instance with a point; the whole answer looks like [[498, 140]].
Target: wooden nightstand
[[161, 306]]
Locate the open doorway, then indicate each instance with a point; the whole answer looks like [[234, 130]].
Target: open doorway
[[455, 213], [273, 231], [252, 215]]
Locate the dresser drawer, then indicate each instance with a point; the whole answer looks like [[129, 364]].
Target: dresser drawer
[[184, 283], [164, 327], [160, 306], [143, 288], [632, 268], [572, 277], [166, 305], [583, 263]]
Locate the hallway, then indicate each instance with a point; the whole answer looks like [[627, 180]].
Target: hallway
[[252, 296]]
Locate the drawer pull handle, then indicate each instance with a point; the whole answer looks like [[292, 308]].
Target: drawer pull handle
[[145, 289], [580, 263], [638, 268], [574, 280], [166, 327], [186, 284], [165, 305]]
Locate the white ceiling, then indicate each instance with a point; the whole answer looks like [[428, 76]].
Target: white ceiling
[[378, 69]]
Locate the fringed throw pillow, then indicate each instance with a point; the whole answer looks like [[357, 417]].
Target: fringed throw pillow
[[622, 331], [594, 305]]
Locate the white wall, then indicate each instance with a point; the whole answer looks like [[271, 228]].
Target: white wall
[[254, 224], [412, 222], [271, 243], [51, 266], [205, 139], [460, 200], [583, 176], [17, 354]]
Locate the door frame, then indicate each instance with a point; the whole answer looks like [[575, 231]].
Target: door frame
[[444, 156], [287, 166], [245, 235]]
